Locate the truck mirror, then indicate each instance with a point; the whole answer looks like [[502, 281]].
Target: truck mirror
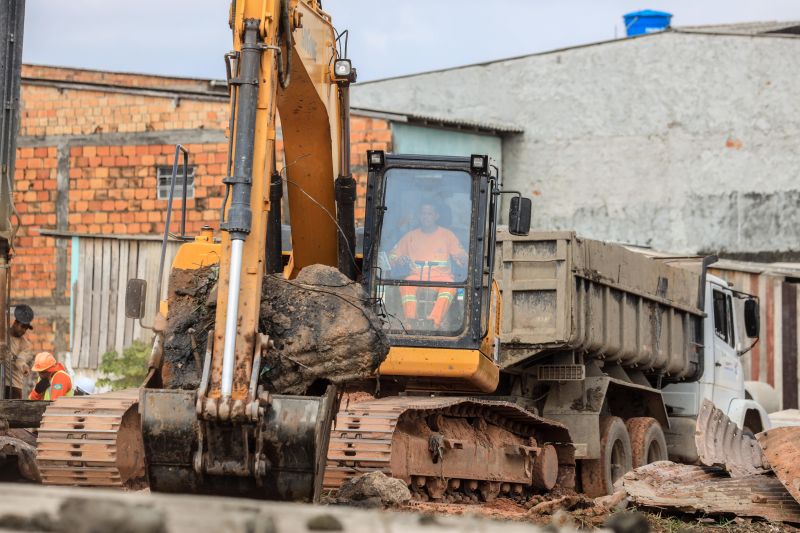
[[135, 297], [752, 319], [519, 216]]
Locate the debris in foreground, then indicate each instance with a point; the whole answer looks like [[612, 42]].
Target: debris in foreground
[[697, 489], [782, 448], [20, 446], [374, 489], [80, 510]]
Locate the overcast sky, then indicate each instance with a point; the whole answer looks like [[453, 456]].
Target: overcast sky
[[388, 37]]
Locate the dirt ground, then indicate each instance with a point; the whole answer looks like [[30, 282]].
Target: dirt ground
[[659, 521]]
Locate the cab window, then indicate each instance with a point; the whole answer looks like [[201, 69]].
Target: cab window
[[723, 317], [423, 249]]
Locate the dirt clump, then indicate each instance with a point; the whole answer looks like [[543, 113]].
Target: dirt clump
[[321, 324], [192, 304], [374, 489], [323, 329]]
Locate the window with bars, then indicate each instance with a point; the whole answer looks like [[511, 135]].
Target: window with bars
[[164, 178]]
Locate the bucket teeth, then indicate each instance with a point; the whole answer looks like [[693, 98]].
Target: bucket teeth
[[720, 442]]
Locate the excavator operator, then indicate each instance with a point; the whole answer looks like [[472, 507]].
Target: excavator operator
[[427, 252], [54, 382]]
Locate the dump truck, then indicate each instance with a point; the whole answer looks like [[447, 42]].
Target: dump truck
[[605, 335]]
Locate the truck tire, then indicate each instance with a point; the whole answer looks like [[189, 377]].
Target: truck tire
[[648, 443], [598, 475]]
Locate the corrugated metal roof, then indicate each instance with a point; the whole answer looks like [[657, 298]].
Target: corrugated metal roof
[[778, 269], [441, 121], [790, 27]]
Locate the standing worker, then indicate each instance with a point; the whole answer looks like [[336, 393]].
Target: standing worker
[[20, 352], [54, 382]]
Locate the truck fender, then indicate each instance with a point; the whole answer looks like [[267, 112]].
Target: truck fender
[[749, 414], [764, 394]]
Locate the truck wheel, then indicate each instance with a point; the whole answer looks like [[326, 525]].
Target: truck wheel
[[648, 443], [598, 475]]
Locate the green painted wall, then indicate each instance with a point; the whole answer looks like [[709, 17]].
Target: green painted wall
[[408, 139]]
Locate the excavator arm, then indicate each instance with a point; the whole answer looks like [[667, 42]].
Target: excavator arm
[[284, 60], [229, 436]]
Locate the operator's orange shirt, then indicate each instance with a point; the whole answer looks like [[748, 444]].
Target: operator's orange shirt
[[438, 246]]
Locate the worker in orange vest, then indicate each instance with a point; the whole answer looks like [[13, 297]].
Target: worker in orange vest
[[54, 382], [427, 251]]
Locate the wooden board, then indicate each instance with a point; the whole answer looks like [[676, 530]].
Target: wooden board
[[97, 287], [105, 296], [111, 343], [87, 260], [104, 267], [122, 280]]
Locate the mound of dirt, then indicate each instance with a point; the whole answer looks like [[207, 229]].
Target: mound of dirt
[[321, 324], [192, 304], [323, 328]]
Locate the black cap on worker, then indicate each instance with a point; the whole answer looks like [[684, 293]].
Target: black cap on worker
[[24, 315]]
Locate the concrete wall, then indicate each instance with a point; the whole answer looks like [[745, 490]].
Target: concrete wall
[[682, 142]]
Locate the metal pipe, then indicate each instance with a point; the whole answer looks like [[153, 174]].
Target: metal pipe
[[232, 314], [167, 222], [185, 191], [240, 215]]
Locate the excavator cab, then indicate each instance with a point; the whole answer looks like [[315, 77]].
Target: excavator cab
[[429, 243]]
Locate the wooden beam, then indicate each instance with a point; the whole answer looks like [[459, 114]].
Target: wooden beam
[[22, 413]]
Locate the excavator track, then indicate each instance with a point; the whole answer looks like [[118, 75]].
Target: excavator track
[[450, 447], [92, 441]]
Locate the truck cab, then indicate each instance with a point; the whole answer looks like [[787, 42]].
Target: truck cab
[[731, 329]]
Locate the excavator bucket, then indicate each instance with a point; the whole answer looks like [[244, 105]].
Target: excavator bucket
[[92, 441], [721, 442], [286, 463], [782, 449]]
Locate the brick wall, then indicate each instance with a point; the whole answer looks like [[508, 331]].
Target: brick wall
[[89, 147], [113, 189], [366, 134]]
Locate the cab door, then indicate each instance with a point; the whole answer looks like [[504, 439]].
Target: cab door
[[727, 378]]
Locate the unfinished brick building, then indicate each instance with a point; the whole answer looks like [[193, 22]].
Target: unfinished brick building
[[94, 150]]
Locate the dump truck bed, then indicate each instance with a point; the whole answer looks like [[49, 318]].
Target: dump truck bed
[[564, 295]]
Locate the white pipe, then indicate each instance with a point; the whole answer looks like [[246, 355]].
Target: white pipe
[[232, 314]]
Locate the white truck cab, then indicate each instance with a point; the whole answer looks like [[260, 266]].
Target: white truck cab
[[730, 329]]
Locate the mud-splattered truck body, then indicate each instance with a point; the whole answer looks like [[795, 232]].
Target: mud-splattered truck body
[[593, 331]]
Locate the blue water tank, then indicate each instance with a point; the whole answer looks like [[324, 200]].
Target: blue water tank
[[646, 21]]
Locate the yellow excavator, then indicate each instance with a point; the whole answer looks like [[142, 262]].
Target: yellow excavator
[[223, 434]]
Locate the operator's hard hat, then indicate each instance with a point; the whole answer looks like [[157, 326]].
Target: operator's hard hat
[[43, 361], [24, 315], [86, 384]]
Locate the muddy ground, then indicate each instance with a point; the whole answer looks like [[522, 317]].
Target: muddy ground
[[659, 521]]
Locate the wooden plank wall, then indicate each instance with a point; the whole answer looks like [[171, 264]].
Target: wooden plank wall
[[773, 360], [98, 296]]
